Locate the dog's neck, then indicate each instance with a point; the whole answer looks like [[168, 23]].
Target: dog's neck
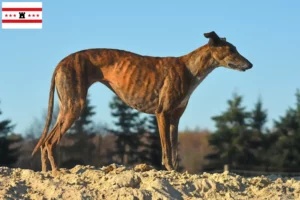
[[200, 62]]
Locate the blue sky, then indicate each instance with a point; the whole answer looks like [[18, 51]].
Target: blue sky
[[265, 32]]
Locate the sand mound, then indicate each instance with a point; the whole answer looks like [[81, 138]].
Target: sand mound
[[140, 182]]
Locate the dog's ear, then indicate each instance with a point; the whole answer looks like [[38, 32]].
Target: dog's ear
[[213, 38]]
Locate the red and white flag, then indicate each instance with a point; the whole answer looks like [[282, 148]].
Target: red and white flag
[[21, 15]]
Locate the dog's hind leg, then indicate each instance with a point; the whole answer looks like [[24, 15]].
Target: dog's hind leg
[[43, 158], [72, 91], [44, 150], [67, 116], [65, 121], [48, 146]]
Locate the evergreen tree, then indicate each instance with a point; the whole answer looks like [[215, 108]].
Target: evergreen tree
[[231, 139], [258, 117], [289, 124], [298, 107], [153, 125], [129, 127], [262, 139], [286, 149], [137, 146], [8, 156]]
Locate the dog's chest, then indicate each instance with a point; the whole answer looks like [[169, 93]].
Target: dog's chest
[[191, 89]]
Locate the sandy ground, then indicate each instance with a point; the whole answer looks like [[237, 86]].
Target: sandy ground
[[140, 182]]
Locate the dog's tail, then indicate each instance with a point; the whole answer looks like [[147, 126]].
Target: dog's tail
[[49, 115]]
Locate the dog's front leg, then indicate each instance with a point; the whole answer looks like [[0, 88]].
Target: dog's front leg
[[175, 117], [174, 142], [163, 120]]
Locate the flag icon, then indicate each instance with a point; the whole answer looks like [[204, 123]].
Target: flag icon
[[21, 15]]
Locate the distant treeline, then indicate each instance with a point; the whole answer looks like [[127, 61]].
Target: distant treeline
[[241, 140]]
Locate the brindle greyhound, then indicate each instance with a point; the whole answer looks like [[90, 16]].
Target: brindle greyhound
[[155, 85]]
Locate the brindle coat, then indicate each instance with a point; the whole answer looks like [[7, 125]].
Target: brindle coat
[[155, 85]]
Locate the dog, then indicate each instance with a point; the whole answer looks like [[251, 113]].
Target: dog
[[154, 85]]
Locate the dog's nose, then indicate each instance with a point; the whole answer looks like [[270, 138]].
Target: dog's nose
[[250, 65]]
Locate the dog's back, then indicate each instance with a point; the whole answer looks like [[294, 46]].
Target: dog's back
[[136, 79]]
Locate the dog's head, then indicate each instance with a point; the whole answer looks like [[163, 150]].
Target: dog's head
[[226, 54]]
